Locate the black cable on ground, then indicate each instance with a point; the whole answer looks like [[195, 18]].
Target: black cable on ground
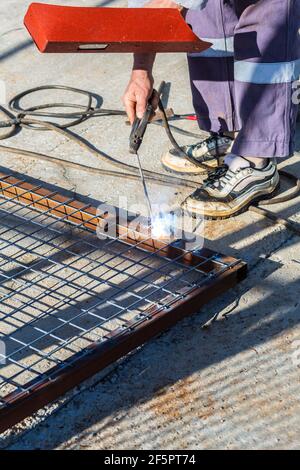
[[19, 117], [261, 210], [174, 142]]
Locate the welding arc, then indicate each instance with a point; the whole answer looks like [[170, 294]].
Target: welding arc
[[26, 118]]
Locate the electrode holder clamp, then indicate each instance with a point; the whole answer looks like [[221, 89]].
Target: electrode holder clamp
[[139, 128]]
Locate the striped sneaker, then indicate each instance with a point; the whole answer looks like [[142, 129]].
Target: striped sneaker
[[210, 152], [226, 193]]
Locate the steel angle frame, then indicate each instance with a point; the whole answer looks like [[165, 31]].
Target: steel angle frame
[[219, 273]]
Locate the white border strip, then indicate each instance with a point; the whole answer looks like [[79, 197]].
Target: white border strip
[[220, 48], [266, 73]]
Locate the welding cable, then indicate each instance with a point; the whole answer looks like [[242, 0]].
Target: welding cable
[[175, 144], [17, 118], [261, 210], [25, 118]]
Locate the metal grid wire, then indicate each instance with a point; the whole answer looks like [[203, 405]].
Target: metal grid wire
[[62, 288]]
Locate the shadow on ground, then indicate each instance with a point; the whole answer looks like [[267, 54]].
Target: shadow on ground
[[191, 349]]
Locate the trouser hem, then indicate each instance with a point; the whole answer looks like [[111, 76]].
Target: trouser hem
[[261, 149], [218, 124]]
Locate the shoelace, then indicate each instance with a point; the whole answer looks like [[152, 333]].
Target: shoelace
[[215, 175], [213, 139], [221, 173]]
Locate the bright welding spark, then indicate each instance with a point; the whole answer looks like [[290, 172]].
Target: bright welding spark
[[163, 225]]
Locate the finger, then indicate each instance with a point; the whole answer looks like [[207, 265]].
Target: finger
[[183, 11], [141, 105], [130, 108], [155, 99]]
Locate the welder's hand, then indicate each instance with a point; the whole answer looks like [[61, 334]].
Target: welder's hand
[[140, 86], [161, 4], [138, 93], [164, 4]]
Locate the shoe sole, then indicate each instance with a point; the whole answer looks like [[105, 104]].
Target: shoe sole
[[201, 171], [180, 171], [242, 210], [183, 173]]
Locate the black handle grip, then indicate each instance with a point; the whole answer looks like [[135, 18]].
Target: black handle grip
[[140, 125]]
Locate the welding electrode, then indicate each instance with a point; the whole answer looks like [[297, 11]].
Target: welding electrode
[[136, 138], [144, 186]]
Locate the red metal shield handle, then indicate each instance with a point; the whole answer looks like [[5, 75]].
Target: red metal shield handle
[[82, 29]]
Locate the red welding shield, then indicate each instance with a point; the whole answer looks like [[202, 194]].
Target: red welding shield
[[83, 29]]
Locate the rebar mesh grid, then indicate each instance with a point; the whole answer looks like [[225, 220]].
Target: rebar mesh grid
[[64, 291]]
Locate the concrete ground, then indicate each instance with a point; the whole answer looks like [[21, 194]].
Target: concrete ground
[[233, 385]]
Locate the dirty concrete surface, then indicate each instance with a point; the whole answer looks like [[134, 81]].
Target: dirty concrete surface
[[233, 385]]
